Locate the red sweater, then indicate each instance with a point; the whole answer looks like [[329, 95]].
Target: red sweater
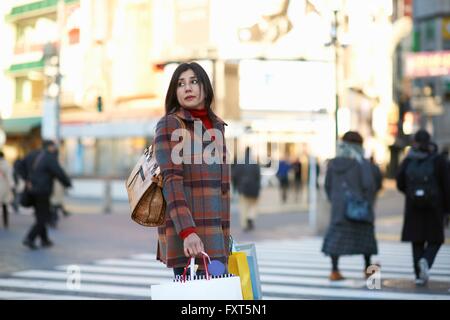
[[202, 115]]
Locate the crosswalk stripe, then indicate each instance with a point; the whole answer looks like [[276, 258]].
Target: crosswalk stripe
[[391, 249], [137, 292], [349, 293], [399, 255], [388, 260], [289, 269], [304, 269], [139, 271], [86, 277], [346, 262], [17, 295], [122, 270], [345, 273], [402, 254]]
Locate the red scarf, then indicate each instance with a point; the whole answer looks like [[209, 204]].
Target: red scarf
[[202, 115]]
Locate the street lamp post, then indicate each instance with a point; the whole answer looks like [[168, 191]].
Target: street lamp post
[[335, 43], [51, 56], [50, 123]]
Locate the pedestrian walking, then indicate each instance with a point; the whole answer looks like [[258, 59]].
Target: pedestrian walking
[[19, 185], [297, 168], [248, 182], [423, 178], [196, 187], [39, 169], [445, 154], [283, 178], [6, 188], [349, 176], [317, 168]]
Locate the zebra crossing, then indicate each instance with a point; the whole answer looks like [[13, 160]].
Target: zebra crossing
[[289, 269]]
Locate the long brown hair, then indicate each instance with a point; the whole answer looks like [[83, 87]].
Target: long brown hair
[[202, 77]]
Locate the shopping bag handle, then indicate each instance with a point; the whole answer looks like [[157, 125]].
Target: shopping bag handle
[[191, 263]]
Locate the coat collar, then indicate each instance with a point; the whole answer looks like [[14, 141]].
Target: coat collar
[[186, 115]]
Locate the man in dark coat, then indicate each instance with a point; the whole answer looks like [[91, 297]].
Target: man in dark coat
[[423, 225], [248, 182], [39, 169]]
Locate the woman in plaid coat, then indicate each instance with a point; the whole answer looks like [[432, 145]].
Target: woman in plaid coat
[[196, 178]]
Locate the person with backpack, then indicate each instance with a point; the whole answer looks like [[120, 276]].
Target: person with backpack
[[423, 179]]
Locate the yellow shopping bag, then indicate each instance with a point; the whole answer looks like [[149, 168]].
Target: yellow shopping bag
[[238, 265]]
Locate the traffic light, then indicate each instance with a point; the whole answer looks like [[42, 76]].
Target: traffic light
[[99, 104]]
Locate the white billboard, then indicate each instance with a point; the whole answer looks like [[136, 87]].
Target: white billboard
[[306, 86]]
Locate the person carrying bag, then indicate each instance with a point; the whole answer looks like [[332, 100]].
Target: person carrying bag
[[350, 187], [199, 287]]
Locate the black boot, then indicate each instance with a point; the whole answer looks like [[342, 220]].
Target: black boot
[[5, 216], [46, 243], [29, 243]]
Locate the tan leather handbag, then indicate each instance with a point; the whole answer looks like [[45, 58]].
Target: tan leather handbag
[[144, 188]]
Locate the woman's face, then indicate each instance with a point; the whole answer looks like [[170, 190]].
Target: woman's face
[[190, 93]]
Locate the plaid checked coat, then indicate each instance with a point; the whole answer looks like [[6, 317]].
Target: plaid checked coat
[[197, 195]]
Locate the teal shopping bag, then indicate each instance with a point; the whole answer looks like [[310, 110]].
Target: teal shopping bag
[[250, 250]]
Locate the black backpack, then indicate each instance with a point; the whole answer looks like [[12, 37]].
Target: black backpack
[[421, 184]]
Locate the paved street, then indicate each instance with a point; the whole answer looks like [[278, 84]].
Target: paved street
[[116, 256]]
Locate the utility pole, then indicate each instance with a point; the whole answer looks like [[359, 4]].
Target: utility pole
[[335, 43], [51, 108], [50, 119]]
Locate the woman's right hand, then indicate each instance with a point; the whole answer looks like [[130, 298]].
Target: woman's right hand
[[193, 245]]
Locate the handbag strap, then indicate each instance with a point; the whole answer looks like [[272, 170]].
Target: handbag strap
[[182, 124], [34, 165]]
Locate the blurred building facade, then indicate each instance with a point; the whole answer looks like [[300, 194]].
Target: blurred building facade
[[273, 73], [107, 96], [428, 68]]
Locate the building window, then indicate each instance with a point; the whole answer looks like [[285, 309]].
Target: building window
[[33, 33], [28, 90]]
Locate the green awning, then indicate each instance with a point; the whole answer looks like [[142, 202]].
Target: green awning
[[20, 125], [38, 6], [27, 66]]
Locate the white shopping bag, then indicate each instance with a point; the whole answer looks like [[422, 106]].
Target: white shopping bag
[[227, 287]]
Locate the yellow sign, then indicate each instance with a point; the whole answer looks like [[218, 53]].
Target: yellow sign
[[446, 28]]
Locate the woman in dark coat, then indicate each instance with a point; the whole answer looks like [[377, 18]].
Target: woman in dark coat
[[424, 226], [349, 170]]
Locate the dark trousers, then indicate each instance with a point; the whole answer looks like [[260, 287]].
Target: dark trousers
[[424, 250], [284, 185], [5, 215], [335, 262], [41, 205]]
